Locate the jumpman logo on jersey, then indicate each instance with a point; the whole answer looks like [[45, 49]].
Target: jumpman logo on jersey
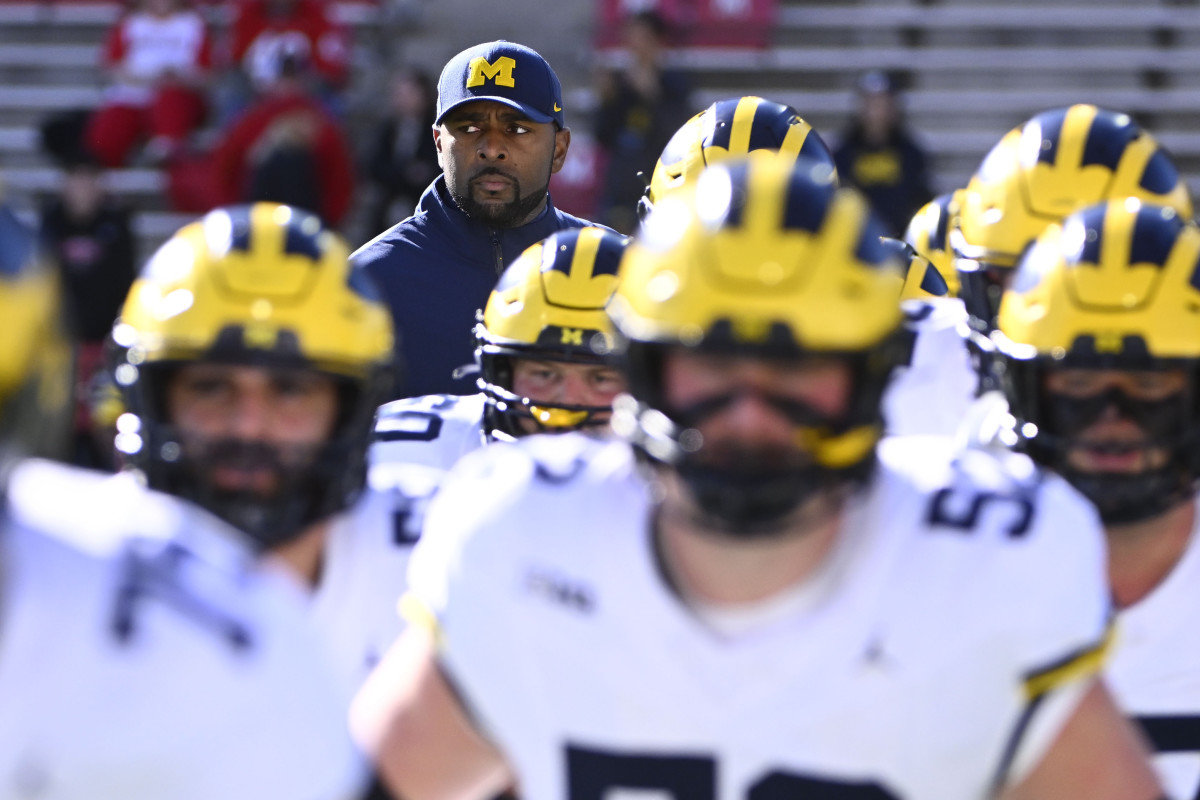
[[560, 590], [876, 655]]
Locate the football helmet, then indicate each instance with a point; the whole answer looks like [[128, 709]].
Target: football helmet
[[1115, 287], [763, 258], [921, 279], [36, 361], [549, 305], [269, 286], [928, 232], [1054, 164], [727, 128]]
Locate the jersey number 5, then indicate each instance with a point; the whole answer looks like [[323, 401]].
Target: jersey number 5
[[592, 775], [961, 512]]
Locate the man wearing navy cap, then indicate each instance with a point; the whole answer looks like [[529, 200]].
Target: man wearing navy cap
[[500, 134]]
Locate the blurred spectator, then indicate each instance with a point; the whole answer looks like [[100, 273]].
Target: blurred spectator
[[403, 160], [286, 148], [88, 235], [262, 28], [641, 106], [158, 58], [61, 135], [879, 155]]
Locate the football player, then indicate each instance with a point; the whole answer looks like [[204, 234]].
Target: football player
[[1099, 341], [541, 348], [754, 600], [1052, 165], [141, 654], [251, 361]]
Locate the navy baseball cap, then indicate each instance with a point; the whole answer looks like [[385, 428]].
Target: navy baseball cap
[[506, 72]]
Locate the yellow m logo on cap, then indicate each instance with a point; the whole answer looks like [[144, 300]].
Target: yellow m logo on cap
[[572, 336], [501, 72]]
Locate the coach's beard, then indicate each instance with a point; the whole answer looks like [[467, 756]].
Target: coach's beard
[[507, 215]]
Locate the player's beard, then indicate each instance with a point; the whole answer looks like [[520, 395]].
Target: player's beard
[[270, 507], [509, 215]]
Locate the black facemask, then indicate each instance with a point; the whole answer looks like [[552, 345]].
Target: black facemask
[[749, 490], [270, 518], [1122, 497]]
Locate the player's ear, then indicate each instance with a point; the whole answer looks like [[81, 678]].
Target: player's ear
[[437, 144], [562, 141]]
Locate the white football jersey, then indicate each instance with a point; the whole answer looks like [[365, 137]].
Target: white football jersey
[[435, 430], [1155, 672], [365, 565], [143, 656], [932, 393], [971, 596]]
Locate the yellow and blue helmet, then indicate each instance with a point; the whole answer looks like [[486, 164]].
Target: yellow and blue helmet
[[928, 232], [1116, 286], [269, 286], [549, 305], [921, 279], [36, 361], [766, 259], [732, 127], [1053, 165]]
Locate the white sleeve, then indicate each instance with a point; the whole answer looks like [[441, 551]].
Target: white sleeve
[[1072, 629]]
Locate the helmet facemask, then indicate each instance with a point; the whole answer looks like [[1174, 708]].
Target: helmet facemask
[[307, 481], [1052, 426], [748, 491], [504, 409]]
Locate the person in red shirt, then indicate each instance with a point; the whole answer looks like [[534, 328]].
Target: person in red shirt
[[286, 148], [262, 28], [158, 57]]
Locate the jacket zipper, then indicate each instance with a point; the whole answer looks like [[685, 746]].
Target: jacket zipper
[[497, 251]]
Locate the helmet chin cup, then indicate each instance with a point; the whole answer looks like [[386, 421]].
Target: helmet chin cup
[[749, 503]]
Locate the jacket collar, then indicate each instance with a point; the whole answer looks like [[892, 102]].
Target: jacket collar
[[471, 235]]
